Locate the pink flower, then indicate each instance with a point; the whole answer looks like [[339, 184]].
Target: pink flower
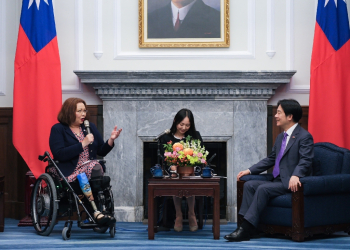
[[169, 142], [177, 148], [167, 154], [202, 161], [199, 154]]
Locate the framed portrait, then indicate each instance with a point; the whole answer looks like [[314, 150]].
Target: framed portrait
[[184, 23]]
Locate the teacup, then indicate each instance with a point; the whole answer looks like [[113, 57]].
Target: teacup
[[197, 170], [207, 172], [157, 171]]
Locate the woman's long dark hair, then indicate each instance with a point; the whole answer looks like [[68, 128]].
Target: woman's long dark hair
[[182, 114]]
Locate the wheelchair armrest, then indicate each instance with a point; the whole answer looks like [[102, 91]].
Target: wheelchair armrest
[[259, 177], [326, 184], [101, 161]]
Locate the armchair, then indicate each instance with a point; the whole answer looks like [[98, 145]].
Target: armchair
[[321, 204]]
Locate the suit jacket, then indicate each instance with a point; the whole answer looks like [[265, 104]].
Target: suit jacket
[[201, 21], [66, 148], [296, 159]]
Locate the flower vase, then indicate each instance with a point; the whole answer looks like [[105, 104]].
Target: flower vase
[[185, 171]]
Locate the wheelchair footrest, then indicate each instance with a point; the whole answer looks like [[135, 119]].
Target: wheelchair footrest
[[88, 225]]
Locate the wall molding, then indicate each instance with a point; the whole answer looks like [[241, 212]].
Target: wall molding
[[292, 88], [298, 89], [3, 48], [78, 47], [98, 30], [180, 85], [289, 34], [154, 54], [270, 33]]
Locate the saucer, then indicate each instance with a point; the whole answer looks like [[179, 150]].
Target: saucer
[[206, 176], [158, 177]]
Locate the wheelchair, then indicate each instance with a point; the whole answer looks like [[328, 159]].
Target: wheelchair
[[53, 197]]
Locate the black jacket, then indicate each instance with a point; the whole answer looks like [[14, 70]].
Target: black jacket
[[66, 148]]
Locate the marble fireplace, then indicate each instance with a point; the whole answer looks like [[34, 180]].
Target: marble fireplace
[[229, 106]]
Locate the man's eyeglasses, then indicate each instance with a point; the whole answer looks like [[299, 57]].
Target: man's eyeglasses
[[82, 111]]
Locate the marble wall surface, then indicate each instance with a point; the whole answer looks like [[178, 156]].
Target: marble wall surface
[[237, 117]]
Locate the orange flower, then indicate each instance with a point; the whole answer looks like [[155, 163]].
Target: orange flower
[[177, 145], [188, 151]]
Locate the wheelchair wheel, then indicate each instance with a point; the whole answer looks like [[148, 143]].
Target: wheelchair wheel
[[66, 233], [112, 231], [44, 205]]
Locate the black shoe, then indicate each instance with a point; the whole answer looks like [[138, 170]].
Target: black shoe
[[238, 235], [105, 220]]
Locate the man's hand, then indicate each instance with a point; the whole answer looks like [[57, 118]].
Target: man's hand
[[242, 173], [293, 183]]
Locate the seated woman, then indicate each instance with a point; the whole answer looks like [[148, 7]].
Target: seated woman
[[76, 150], [183, 125]]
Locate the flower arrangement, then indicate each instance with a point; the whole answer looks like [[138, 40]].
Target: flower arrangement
[[188, 153]]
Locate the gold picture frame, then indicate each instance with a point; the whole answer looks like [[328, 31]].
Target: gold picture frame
[[157, 25]]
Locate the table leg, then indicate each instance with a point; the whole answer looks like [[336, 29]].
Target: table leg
[[151, 213], [216, 213], [200, 211]]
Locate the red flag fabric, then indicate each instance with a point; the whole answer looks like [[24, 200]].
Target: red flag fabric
[[330, 75], [37, 96]]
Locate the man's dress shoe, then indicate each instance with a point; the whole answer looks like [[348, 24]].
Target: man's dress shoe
[[238, 235]]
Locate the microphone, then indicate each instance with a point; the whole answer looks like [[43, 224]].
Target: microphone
[[167, 131], [87, 126]]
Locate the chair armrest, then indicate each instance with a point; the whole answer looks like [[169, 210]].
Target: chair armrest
[[259, 177], [326, 184]]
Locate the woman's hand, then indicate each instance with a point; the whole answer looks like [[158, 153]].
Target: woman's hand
[[114, 135], [89, 139]]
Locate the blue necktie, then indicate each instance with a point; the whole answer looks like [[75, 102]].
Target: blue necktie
[[276, 170]]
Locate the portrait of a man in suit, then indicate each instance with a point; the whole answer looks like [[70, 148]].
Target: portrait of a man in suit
[[184, 19]]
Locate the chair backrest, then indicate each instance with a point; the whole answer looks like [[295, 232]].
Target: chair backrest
[[330, 159]]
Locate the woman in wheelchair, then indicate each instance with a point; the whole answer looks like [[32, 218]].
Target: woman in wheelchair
[[75, 147]]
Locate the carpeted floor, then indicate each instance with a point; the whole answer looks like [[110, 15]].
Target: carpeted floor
[[134, 236]]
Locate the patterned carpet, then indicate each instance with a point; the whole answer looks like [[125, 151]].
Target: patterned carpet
[[134, 236]]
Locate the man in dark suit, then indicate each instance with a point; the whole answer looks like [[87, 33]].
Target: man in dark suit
[[292, 156], [184, 19]]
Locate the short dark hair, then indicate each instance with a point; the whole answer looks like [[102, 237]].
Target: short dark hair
[[182, 114], [67, 112], [291, 107]]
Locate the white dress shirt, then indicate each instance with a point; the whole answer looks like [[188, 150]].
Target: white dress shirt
[[182, 11]]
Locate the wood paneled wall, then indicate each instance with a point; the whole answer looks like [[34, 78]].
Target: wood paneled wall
[[14, 168]]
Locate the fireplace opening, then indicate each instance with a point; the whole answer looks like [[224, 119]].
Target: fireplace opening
[[219, 165]]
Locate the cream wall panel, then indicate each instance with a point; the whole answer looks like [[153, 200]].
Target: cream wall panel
[[3, 48], [284, 28], [9, 18]]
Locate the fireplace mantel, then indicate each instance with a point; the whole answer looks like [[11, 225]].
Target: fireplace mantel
[[228, 106], [193, 85]]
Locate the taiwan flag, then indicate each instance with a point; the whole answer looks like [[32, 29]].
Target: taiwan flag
[[37, 85], [329, 110]]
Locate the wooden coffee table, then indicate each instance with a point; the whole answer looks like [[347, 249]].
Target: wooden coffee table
[[183, 187]]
